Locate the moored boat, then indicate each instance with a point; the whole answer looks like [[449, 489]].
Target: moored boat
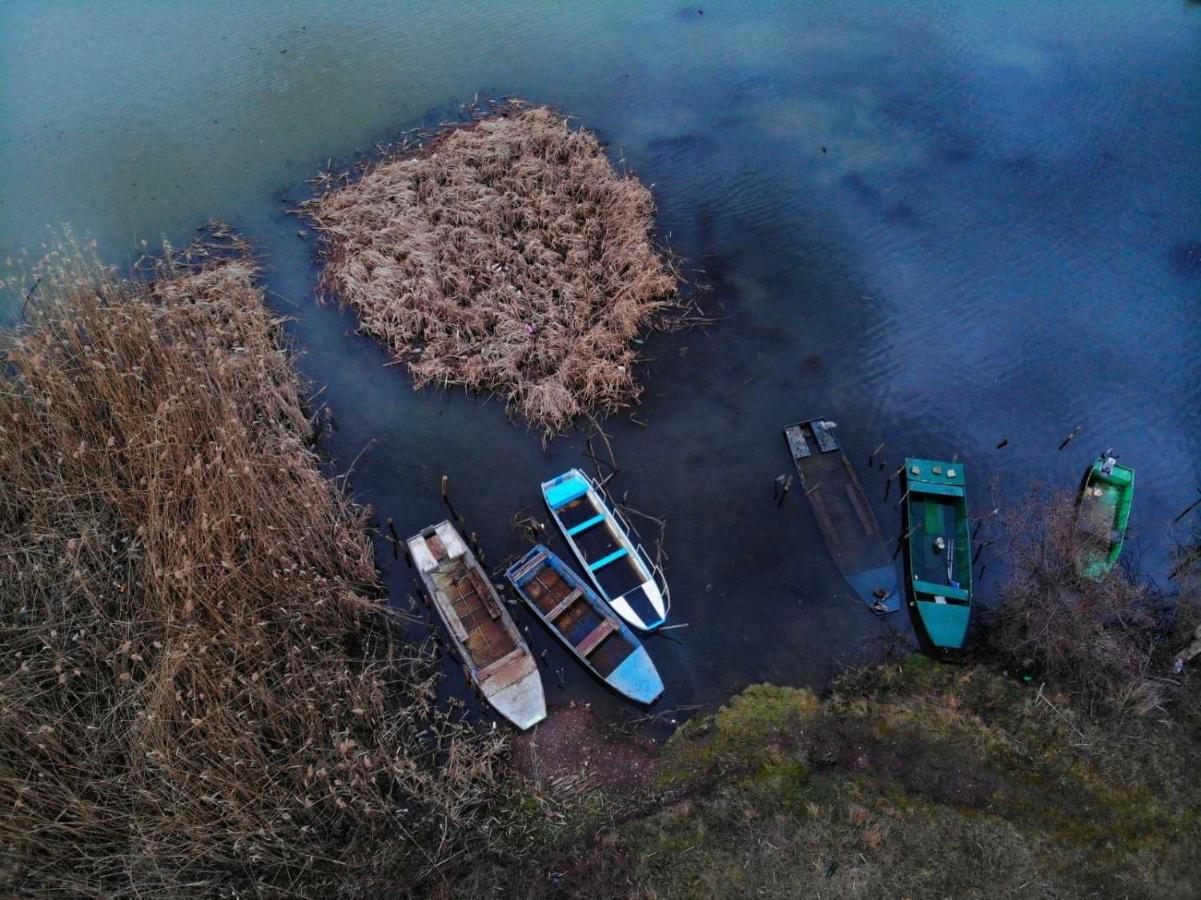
[[602, 643], [938, 549], [600, 540], [1103, 513], [493, 652], [843, 514]]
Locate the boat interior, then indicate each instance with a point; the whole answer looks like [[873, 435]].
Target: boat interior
[[596, 637], [602, 550], [478, 615], [940, 547], [1097, 517]]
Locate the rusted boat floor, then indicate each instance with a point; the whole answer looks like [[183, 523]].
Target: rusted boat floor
[[487, 640], [547, 589]]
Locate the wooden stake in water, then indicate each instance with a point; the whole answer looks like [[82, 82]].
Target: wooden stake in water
[[783, 486], [1189, 509], [396, 541], [1071, 437]]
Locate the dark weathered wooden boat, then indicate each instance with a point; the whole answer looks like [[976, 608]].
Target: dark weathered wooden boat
[[938, 549], [494, 654], [600, 538], [843, 514], [574, 613], [1102, 514]]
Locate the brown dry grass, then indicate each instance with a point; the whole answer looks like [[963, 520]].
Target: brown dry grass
[[507, 256], [196, 693], [1097, 639]]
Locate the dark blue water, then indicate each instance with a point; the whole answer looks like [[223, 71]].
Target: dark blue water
[[941, 225]]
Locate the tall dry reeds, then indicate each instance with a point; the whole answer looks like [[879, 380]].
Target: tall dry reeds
[[197, 694], [1097, 639], [507, 256]]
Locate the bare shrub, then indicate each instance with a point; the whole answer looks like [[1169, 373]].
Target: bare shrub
[[506, 256], [197, 694], [1094, 638]]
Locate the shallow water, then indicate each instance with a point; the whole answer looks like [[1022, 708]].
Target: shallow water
[[942, 226]]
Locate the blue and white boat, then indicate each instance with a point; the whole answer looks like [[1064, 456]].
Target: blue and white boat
[[601, 642], [600, 539]]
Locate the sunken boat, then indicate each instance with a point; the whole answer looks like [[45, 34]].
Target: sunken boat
[[494, 655], [576, 615], [844, 516]]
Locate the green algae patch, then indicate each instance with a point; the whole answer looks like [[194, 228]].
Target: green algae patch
[[757, 729]]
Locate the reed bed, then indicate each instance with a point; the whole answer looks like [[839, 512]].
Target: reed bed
[[506, 255], [1096, 639], [198, 691]]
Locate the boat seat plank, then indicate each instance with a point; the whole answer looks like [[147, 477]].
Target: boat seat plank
[[825, 440], [611, 558], [941, 590], [531, 565], [598, 634], [484, 590], [493, 667], [564, 604], [925, 487], [586, 524], [797, 445], [456, 625], [565, 491]]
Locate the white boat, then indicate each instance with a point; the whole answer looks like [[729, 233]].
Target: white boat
[[600, 539], [494, 654]]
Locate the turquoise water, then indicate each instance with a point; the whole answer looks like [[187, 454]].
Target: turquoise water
[[942, 225]]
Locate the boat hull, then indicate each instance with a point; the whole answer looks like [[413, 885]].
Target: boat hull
[[601, 543], [1103, 507], [495, 656], [575, 615], [844, 515], [937, 551]]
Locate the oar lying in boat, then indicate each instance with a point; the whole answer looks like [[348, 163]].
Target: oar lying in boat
[[601, 642]]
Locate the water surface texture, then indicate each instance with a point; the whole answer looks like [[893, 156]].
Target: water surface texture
[[941, 225]]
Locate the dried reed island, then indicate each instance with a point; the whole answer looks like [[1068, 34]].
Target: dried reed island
[[201, 692], [506, 255]]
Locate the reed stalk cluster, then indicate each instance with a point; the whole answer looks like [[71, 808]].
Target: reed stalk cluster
[[199, 692], [1098, 639], [507, 256]]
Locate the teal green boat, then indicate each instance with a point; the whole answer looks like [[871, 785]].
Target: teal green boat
[[938, 550], [1102, 513]]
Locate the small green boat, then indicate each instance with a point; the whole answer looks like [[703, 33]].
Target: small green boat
[[1102, 513], [938, 550]]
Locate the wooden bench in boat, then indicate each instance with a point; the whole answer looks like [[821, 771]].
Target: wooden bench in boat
[[530, 566], [598, 634], [484, 590], [941, 590], [514, 659], [564, 604]]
